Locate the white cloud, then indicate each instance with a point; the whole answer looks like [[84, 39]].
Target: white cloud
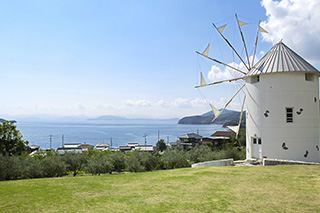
[[297, 23], [216, 74], [198, 102], [138, 103], [182, 103], [163, 103]]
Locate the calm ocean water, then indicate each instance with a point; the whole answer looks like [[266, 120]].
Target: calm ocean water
[[93, 133]]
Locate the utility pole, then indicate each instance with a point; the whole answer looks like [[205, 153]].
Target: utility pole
[[145, 139], [158, 135], [62, 140], [50, 138], [111, 142]]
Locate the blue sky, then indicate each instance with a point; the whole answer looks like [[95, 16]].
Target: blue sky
[[128, 58]]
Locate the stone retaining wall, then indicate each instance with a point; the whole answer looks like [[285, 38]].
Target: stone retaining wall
[[224, 162]]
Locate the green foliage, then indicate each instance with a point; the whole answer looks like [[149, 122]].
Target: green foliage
[[10, 167], [54, 166], [75, 162], [99, 164], [49, 164], [241, 141], [161, 146], [174, 159], [118, 161], [11, 142], [201, 153], [140, 161], [31, 168]]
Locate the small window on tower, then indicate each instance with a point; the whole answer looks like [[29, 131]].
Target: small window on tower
[[289, 114], [309, 77], [254, 140], [259, 141]]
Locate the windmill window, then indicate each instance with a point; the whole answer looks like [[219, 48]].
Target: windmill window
[[309, 77], [255, 79], [289, 114], [259, 141], [256, 140]]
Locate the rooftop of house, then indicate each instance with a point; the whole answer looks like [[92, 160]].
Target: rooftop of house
[[102, 145], [190, 136], [222, 133]]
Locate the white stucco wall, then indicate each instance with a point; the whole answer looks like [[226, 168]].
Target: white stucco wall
[[274, 92]]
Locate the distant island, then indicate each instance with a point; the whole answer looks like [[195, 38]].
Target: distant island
[[2, 120], [227, 118]]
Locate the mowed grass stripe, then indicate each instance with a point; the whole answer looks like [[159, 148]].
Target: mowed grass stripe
[[211, 189]]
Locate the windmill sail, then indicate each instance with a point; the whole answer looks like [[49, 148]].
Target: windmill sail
[[206, 51], [228, 102], [215, 111], [234, 50], [217, 82], [227, 65], [260, 29], [237, 128], [203, 82], [234, 129], [241, 23], [220, 29]]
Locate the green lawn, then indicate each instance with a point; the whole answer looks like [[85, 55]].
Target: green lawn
[[212, 189]]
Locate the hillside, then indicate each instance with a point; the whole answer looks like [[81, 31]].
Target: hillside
[[228, 117]]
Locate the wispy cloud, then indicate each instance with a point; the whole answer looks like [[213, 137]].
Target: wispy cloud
[[138, 103]]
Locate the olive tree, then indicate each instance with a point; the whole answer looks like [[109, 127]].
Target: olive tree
[[11, 142]]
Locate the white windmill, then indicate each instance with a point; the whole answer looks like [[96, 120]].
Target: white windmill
[[282, 103]]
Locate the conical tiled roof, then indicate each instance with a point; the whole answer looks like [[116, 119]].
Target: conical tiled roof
[[281, 58]]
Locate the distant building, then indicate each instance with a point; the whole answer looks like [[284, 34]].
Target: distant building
[[125, 149], [34, 148], [86, 147], [102, 146], [190, 137], [218, 138], [145, 148], [70, 147], [133, 145], [189, 140]]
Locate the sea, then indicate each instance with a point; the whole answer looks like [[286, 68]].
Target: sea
[[54, 134]]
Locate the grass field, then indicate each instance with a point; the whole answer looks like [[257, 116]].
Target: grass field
[[212, 189]]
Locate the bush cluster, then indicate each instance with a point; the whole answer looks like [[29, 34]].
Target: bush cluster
[[50, 164]]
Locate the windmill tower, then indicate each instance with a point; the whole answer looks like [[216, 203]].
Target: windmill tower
[[282, 120], [282, 102]]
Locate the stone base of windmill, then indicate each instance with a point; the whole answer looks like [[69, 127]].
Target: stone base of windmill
[[274, 162], [251, 162]]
